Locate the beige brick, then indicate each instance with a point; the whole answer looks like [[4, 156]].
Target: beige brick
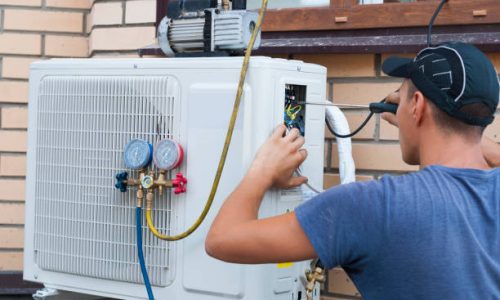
[[330, 180], [11, 213], [340, 283], [13, 141], [21, 2], [493, 130], [495, 59], [343, 65], [67, 46], [19, 43], [83, 4], [12, 165], [12, 189], [380, 157], [129, 38], [11, 261], [143, 11], [11, 237], [355, 119], [14, 117], [362, 93], [16, 67], [106, 14], [34, 20], [13, 91]]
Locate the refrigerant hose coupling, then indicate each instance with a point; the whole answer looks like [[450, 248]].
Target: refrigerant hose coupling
[[315, 274]]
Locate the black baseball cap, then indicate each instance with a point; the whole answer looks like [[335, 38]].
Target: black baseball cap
[[452, 75]]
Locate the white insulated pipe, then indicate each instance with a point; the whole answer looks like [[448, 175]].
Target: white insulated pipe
[[338, 122]]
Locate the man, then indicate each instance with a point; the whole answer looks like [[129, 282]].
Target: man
[[432, 234]]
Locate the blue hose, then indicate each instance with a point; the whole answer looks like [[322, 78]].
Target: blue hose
[[138, 218]]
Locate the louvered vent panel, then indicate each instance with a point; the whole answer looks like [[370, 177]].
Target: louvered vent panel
[[84, 225]]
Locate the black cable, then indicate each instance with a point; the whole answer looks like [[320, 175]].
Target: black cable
[[343, 136], [429, 32]]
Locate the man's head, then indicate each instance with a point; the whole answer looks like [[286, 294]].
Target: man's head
[[451, 89]]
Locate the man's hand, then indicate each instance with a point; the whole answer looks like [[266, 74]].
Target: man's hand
[[391, 118], [278, 158], [236, 235]]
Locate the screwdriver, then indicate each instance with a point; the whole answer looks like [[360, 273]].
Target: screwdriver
[[375, 107]]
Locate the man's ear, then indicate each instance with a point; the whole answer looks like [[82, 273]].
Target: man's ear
[[419, 107]]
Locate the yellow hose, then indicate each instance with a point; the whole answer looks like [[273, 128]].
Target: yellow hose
[[227, 142]]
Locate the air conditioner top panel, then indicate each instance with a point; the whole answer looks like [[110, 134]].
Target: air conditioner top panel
[[179, 63]]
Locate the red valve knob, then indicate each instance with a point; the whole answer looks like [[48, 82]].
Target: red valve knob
[[179, 183]]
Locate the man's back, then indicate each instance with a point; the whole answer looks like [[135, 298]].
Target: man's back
[[433, 234]]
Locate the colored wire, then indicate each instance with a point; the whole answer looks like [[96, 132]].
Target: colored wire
[[227, 142], [140, 254]]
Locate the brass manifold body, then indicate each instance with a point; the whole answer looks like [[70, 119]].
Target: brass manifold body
[[147, 182], [315, 274]]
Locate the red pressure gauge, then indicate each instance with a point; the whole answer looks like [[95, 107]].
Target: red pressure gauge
[[168, 154]]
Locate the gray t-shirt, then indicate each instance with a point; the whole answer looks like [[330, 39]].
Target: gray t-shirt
[[432, 234]]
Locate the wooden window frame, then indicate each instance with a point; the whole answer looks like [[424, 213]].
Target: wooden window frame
[[347, 27]]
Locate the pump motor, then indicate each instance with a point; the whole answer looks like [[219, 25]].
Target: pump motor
[[208, 31]]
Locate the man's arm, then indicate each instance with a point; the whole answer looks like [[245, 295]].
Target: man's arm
[[237, 235]]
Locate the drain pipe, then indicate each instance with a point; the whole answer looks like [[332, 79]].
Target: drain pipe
[[338, 122]]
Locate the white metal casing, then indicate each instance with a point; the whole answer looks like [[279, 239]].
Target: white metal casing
[[83, 208]]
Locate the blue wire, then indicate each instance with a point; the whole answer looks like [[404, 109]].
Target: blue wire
[[138, 218]]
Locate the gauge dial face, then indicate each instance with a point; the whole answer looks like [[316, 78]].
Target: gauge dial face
[[168, 154], [137, 154]]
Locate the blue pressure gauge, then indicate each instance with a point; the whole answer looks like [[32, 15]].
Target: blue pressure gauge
[[138, 154], [168, 154]]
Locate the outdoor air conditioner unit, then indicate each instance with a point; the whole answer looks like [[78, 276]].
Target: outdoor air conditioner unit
[[79, 232]]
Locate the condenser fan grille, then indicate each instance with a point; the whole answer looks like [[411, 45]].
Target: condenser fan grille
[[83, 225]]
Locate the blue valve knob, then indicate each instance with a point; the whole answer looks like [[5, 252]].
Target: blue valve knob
[[120, 183]]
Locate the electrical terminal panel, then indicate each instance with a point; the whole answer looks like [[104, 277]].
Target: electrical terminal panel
[[295, 107]]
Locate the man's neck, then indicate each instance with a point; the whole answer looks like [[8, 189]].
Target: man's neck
[[451, 150]]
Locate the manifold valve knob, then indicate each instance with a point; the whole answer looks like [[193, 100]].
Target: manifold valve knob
[[121, 179], [179, 183]]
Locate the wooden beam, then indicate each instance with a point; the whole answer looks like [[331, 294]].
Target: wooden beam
[[391, 15]]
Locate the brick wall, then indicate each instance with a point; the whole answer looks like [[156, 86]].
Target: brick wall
[[119, 28], [40, 29], [29, 30]]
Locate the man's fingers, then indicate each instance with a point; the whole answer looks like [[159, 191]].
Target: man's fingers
[[393, 97], [292, 135], [296, 181], [279, 131], [299, 142], [391, 118], [302, 155]]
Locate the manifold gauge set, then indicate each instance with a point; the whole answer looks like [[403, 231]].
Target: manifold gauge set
[[167, 154]]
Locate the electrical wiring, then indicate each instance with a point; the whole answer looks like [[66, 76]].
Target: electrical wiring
[[227, 142], [140, 254], [434, 16]]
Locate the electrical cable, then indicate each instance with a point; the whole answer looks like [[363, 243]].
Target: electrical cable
[[227, 142], [140, 254], [344, 136], [434, 16]]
